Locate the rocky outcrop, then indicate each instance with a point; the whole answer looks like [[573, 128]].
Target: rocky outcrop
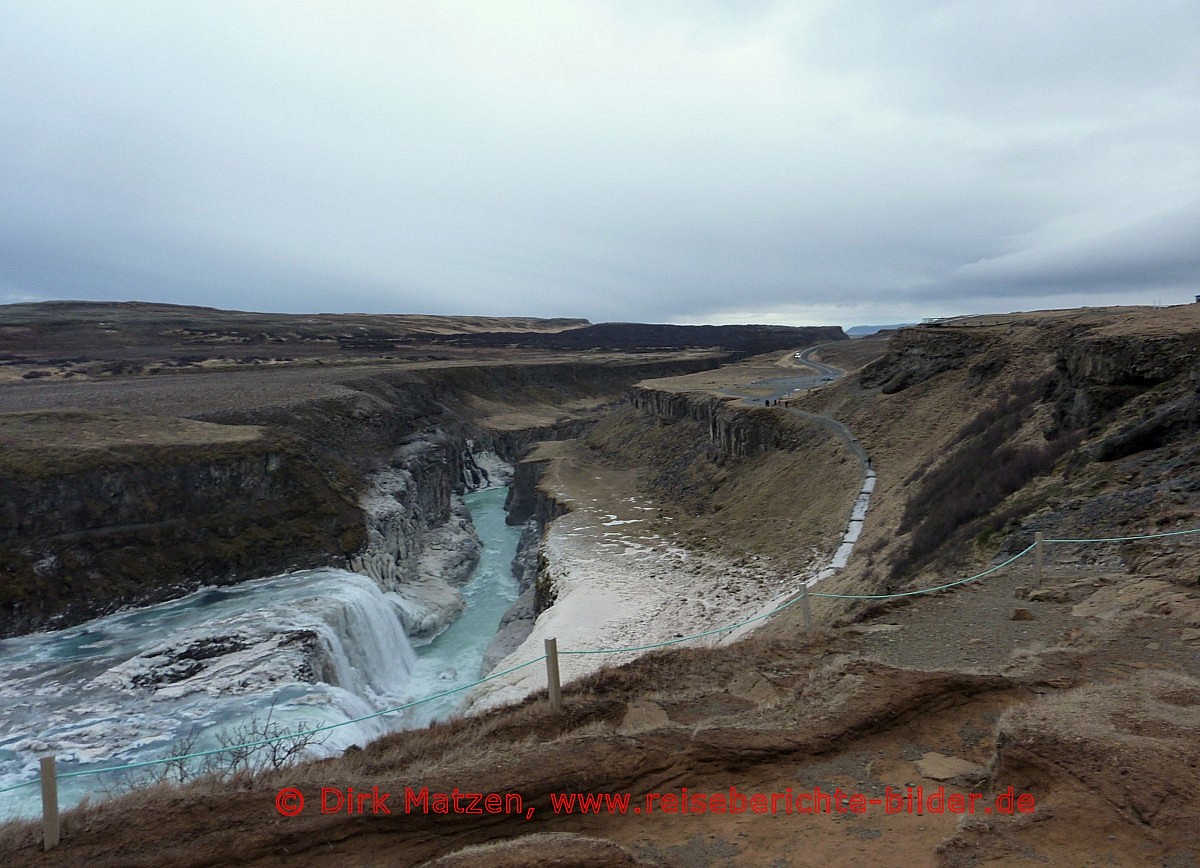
[[526, 500], [525, 563], [737, 431], [514, 628], [1134, 754], [1162, 425], [151, 524], [918, 354], [1096, 374]]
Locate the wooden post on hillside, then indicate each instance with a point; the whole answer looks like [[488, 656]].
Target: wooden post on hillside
[[50, 824], [1037, 559], [805, 609], [552, 684]]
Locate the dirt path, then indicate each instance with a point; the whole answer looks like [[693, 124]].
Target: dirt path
[[858, 512], [776, 389]]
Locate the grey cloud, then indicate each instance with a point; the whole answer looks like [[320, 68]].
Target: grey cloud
[[1024, 60], [1158, 253], [613, 160]]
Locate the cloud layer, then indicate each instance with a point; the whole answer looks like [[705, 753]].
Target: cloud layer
[[673, 161]]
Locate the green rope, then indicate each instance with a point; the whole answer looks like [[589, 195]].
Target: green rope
[[1127, 538], [631, 648], [986, 572], [265, 741]]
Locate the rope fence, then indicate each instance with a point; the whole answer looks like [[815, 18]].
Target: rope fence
[[48, 775]]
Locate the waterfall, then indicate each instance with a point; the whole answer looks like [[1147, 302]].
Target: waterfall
[[367, 651], [306, 649], [484, 469]]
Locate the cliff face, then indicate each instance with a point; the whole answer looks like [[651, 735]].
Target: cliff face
[[75, 545], [737, 431], [529, 503], [1087, 373], [146, 523], [915, 355], [526, 498], [1096, 374]]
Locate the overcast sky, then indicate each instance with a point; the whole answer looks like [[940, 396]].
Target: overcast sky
[[864, 161]]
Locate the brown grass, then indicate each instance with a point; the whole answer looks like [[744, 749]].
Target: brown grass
[[68, 431], [854, 354]]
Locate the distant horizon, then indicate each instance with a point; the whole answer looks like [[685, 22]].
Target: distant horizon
[[580, 319]]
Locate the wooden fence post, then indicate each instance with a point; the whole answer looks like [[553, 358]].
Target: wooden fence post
[[50, 824], [1037, 559], [552, 684], [808, 628]]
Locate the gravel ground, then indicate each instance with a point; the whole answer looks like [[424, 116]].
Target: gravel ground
[[984, 635], [985, 638]]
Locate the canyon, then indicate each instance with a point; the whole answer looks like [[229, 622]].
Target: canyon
[[658, 503], [159, 457]]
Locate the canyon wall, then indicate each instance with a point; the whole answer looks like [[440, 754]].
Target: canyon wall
[[1086, 373], [138, 524], [420, 540], [149, 524], [528, 503], [736, 430], [1094, 375]]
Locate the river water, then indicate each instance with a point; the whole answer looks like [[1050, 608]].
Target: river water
[[308, 649]]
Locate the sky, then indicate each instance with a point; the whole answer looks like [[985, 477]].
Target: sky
[[688, 161]]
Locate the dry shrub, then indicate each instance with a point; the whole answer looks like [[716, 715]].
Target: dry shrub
[[986, 467]]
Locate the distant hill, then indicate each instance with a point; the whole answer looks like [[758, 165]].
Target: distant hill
[[746, 339], [55, 332], [151, 317], [860, 331]]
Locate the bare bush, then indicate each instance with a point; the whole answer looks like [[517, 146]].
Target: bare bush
[[976, 477], [262, 745], [258, 745]]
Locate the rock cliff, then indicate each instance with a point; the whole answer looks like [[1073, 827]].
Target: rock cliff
[[1094, 375], [146, 521], [915, 355], [737, 431], [151, 523]]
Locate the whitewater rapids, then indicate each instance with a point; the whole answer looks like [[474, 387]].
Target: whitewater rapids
[[314, 648]]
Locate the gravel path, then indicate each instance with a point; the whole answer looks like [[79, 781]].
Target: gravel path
[[983, 637]]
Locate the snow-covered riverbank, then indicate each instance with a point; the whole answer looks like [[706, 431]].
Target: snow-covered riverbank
[[619, 585]]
